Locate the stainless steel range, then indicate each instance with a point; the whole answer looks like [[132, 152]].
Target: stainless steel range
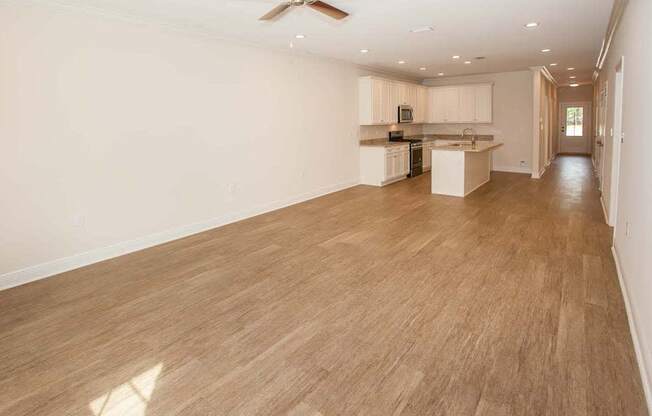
[[416, 151]]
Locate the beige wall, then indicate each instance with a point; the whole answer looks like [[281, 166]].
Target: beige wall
[[512, 117], [583, 93], [635, 185], [115, 135]]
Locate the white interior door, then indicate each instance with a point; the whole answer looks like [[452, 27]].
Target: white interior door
[[575, 128], [600, 138], [617, 140]]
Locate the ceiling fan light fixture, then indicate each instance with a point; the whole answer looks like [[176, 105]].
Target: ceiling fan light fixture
[[317, 5]]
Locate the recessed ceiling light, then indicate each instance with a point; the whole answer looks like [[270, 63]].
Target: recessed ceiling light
[[441, 74], [531, 25], [571, 69], [554, 64], [422, 29], [299, 36], [456, 57], [574, 85], [572, 77], [401, 62], [467, 62], [364, 50], [546, 50], [423, 68]]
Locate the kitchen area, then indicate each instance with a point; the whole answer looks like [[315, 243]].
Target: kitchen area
[[459, 163]]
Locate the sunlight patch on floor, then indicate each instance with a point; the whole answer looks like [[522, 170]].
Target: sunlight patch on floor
[[130, 398]]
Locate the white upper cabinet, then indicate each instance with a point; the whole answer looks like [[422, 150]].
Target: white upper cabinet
[[467, 104], [402, 93], [460, 104], [444, 105], [484, 103], [421, 105], [379, 100], [373, 101], [411, 95], [396, 91]]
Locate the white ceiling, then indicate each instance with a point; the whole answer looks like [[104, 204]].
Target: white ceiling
[[573, 29]]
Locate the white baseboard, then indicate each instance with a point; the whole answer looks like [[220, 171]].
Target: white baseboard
[[511, 169], [631, 319], [543, 171], [539, 175], [44, 270], [604, 211]]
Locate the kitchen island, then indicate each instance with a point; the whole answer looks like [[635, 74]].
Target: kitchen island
[[460, 168]]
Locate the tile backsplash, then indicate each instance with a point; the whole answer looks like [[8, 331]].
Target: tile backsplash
[[378, 132], [456, 129]]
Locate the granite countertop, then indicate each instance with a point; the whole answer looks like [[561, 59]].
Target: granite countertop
[[467, 147], [381, 143], [384, 142]]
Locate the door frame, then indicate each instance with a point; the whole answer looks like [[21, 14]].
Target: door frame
[[616, 139], [588, 118], [604, 136]]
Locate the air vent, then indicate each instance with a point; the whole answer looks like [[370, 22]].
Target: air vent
[[479, 58]]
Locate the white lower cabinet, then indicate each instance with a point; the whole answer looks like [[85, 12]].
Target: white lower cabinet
[[383, 165]]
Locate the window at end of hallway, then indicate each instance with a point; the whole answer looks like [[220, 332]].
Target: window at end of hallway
[[574, 121]]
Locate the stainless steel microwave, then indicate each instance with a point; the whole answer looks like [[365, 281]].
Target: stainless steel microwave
[[405, 114]]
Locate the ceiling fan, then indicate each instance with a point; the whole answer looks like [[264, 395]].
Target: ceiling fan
[[320, 6]]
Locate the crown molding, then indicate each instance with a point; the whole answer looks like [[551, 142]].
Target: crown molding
[[544, 71], [616, 15]]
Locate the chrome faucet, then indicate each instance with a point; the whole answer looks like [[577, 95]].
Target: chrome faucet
[[473, 136]]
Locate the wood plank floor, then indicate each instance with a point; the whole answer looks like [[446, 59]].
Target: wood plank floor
[[365, 302]]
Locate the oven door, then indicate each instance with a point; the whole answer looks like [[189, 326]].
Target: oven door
[[405, 114], [416, 159]]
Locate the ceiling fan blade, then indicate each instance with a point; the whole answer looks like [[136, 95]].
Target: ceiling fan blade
[[276, 11], [329, 10]]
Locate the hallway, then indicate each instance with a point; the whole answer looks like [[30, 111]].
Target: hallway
[[369, 301]]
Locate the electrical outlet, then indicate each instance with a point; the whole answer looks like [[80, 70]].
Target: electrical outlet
[[628, 229], [523, 163]]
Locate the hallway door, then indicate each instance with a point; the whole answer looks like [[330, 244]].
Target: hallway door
[[600, 135], [575, 128]]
